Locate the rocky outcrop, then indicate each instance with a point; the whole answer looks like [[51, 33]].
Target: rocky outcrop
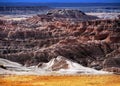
[[70, 15], [56, 66], [92, 43], [112, 63], [65, 66]]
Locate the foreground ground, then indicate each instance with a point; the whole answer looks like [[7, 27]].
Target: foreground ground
[[82, 80]]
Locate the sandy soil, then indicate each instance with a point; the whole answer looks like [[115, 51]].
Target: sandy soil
[[82, 80]]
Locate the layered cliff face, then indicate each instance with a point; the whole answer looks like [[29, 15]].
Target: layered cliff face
[[91, 43]]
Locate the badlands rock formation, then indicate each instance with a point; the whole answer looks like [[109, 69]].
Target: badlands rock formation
[[58, 66], [70, 15], [92, 43], [64, 66]]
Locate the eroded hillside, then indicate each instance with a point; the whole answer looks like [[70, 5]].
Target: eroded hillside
[[91, 42]]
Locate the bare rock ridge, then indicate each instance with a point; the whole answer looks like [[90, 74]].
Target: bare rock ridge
[[70, 14], [92, 43], [65, 66], [59, 65]]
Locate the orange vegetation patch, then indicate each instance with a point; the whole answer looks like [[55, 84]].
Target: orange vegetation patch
[[82, 80]]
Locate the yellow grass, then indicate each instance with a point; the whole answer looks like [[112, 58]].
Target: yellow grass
[[82, 80]]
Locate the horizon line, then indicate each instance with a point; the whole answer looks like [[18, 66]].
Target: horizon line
[[60, 2]]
